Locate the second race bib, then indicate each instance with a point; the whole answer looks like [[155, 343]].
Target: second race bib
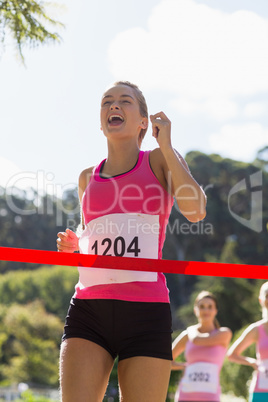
[[200, 377]]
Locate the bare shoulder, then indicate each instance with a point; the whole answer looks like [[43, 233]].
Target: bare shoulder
[[157, 159], [225, 330], [156, 156], [254, 328], [158, 165], [180, 339], [84, 178], [227, 333], [251, 332], [184, 334]]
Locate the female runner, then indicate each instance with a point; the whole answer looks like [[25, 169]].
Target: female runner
[[256, 333], [204, 345], [125, 202]]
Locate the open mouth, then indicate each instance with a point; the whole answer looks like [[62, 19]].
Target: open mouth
[[115, 120]]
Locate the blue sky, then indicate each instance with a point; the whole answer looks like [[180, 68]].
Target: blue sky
[[203, 62]]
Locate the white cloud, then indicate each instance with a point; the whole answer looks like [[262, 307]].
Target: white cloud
[[196, 52], [239, 141], [256, 109], [218, 109]]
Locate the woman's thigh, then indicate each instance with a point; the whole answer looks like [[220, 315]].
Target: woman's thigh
[[144, 379], [85, 368]]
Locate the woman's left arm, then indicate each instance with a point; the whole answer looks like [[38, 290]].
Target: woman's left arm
[[190, 197]]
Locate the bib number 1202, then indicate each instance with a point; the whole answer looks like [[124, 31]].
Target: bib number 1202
[[200, 376], [116, 247]]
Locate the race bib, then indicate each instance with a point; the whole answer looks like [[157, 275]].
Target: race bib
[[121, 235], [263, 374], [200, 377]]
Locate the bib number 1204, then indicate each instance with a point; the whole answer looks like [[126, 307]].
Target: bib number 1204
[[116, 247]]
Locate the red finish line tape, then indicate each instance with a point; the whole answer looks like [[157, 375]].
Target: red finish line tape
[[140, 264]]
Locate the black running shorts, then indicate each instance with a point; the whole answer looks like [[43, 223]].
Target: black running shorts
[[125, 329]]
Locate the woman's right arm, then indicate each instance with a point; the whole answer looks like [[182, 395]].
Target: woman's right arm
[[178, 347], [248, 337], [220, 337], [68, 241]]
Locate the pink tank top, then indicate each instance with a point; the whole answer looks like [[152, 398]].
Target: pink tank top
[[259, 381], [126, 216], [200, 381]]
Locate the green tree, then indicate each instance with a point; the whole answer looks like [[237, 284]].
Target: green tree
[[237, 299], [218, 176], [30, 339], [28, 23], [262, 158], [53, 285], [30, 220]]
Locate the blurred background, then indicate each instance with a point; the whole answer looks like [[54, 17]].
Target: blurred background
[[204, 63]]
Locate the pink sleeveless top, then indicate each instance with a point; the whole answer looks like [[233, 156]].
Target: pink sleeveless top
[[200, 381], [126, 216], [259, 381]]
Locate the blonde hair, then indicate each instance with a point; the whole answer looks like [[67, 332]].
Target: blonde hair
[[263, 291], [203, 295], [141, 101]]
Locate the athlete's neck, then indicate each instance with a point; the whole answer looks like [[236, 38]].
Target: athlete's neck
[[120, 159], [205, 327]]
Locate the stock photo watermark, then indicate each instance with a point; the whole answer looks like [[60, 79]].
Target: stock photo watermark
[[42, 184], [255, 220]]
